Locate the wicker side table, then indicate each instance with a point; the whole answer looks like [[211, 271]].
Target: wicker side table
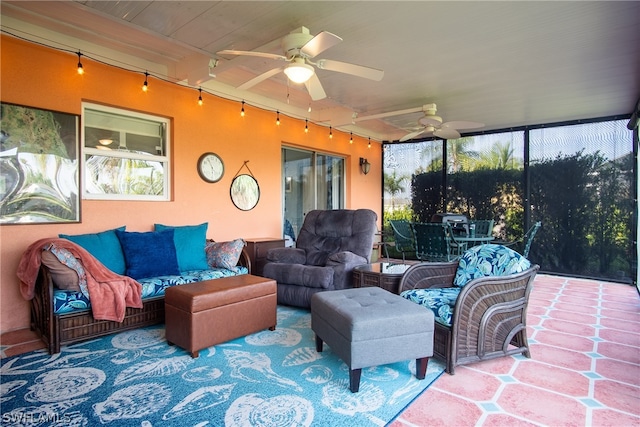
[[385, 275]]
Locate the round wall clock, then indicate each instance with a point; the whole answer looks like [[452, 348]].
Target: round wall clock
[[210, 167]]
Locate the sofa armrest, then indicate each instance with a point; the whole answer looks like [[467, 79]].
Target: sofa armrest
[[244, 260], [287, 255], [42, 316], [346, 258]]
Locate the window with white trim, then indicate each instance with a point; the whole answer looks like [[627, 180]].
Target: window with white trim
[[125, 154]]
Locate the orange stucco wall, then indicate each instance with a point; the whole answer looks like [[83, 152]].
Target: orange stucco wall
[[36, 76]]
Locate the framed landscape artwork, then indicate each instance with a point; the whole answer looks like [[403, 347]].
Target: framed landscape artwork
[[38, 165]]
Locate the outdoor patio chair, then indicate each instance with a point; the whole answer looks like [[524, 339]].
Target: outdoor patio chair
[[432, 242], [483, 227], [523, 244], [479, 303], [456, 247], [404, 240]]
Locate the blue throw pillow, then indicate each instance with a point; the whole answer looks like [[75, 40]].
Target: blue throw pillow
[[189, 241], [105, 246], [149, 254]]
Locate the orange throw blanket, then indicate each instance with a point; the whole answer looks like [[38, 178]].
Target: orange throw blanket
[[110, 293]]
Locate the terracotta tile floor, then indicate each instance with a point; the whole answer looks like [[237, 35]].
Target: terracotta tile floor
[[584, 370]]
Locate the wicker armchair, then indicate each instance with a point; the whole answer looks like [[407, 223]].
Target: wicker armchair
[[479, 302]]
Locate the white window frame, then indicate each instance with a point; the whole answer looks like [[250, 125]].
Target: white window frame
[[163, 157]]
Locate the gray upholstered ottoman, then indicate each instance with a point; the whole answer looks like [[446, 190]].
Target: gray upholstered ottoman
[[370, 327]]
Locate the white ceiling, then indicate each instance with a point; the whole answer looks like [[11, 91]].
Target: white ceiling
[[505, 64]]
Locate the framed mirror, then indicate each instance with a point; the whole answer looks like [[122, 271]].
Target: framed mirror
[[245, 192]]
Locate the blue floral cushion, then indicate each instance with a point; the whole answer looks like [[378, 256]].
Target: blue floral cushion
[[439, 300], [489, 260], [68, 301]]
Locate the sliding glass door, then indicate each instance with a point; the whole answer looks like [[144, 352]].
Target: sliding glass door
[[311, 180]]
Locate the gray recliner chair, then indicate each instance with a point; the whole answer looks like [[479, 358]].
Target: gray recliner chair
[[330, 244]]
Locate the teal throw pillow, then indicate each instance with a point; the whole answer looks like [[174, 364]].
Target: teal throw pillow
[[149, 254], [489, 260], [104, 246], [224, 254], [189, 241]]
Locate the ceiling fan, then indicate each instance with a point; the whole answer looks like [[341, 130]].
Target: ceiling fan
[[430, 123], [299, 48]]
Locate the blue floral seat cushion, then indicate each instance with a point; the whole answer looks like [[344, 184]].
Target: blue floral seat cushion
[[439, 300], [68, 301], [489, 260]]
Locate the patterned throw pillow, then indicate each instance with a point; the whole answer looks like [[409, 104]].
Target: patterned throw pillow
[[66, 258], [224, 254], [489, 260]]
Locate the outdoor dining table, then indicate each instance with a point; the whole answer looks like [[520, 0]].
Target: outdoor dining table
[[475, 240]]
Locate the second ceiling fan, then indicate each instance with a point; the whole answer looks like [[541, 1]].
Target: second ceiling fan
[[429, 124], [432, 124], [299, 47]]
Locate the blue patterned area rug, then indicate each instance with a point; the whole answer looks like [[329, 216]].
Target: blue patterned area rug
[[270, 378]]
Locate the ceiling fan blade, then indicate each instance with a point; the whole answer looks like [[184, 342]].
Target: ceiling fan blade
[[388, 114], [447, 133], [353, 69], [315, 88], [462, 125], [319, 44], [264, 76], [412, 135], [252, 53]]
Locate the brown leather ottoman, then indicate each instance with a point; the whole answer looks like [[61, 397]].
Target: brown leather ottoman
[[199, 315]]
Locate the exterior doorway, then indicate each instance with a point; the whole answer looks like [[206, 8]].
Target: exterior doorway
[[310, 180]]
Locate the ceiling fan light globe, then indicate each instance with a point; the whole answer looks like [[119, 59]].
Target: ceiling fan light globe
[[299, 73]]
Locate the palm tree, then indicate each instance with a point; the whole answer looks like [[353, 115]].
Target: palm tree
[[459, 156], [430, 154], [393, 186], [499, 157]]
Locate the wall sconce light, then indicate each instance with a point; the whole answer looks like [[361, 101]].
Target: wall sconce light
[[365, 166]]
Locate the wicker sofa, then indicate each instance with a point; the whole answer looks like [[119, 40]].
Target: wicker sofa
[[63, 316]]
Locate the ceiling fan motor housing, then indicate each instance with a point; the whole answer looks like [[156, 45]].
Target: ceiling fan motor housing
[[294, 41], [430, 119]]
